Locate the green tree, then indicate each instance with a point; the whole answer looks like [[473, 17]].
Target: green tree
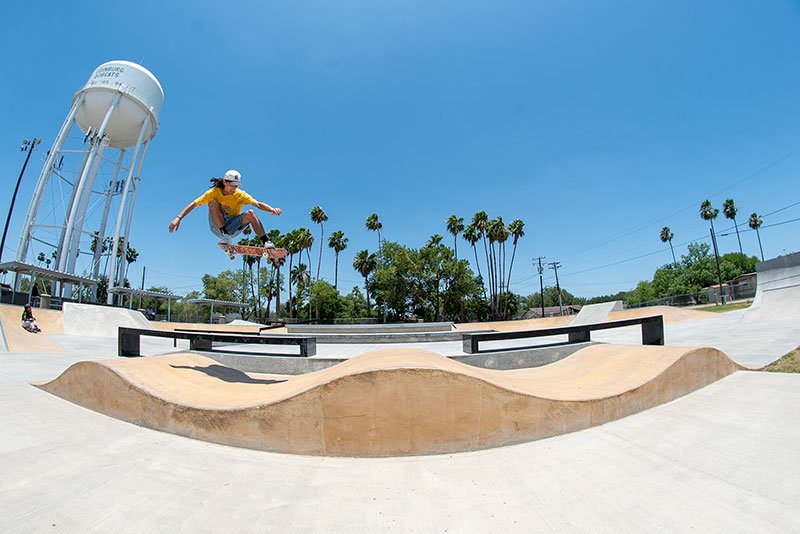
[[394, 284], [325, 299], [225, 286], [338, 242], [642, 294], [319, 217], [534, 300], [699, 265], [354, 305]]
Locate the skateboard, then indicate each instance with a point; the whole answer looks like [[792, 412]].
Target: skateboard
[[247, 250]]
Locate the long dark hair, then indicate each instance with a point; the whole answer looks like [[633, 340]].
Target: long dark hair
[[217, 182]]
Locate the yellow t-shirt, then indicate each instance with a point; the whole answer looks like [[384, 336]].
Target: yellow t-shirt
[[231, 204]]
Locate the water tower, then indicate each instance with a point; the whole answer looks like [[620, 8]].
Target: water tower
[[103, 142]]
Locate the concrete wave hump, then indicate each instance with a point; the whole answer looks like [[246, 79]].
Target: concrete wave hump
[[391, 402]]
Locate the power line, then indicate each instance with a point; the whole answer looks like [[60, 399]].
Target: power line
[[759, 168]]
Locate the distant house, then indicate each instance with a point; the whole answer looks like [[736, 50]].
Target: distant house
[[744, 286], [741, 287]]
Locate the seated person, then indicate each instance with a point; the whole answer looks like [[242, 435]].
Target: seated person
[[29, 321]]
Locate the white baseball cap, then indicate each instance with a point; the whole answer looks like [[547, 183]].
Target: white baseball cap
[[233, 176]]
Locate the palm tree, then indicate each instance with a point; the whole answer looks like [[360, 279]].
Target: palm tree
[[319, 216], [306, 242], [666, 237], [708, 213], [374, 225], [292, 244], [479, 221], [455, 225], [497, 233], [299, 275], [516, 229], [130, 256], [434, 241], [248, 261], [755, 223], [338, 242], [365, 263], [279, 241], [97, 251], [472, 236], [730, 210]]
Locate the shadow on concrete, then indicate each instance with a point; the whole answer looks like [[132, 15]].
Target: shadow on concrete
[[227, 374]]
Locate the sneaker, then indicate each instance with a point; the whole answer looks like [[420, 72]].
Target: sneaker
[[268, 244], [225, 239]]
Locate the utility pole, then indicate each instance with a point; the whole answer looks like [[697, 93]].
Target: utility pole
[[555, 265], [29, 146], [541, 282]]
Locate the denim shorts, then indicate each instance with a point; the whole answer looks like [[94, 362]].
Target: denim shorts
[[233, 225]]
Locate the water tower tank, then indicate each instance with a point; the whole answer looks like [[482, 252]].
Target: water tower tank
[[142, 98]]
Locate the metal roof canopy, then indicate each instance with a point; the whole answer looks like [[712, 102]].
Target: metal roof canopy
[[213, 303], [149, 294], [142, 293], [21, 267]]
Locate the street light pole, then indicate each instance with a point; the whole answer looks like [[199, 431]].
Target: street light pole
[[29, 146]]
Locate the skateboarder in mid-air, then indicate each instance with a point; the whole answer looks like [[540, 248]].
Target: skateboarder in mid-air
[[225, 201]]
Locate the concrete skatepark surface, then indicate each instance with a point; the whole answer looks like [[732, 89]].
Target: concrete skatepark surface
[[722, 458]]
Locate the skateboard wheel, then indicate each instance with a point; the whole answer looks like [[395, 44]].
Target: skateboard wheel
[[232, 256]]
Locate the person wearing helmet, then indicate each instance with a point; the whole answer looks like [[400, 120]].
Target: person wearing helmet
[[225, 201]]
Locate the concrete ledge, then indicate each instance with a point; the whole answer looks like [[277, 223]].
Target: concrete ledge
[[291, 365], [406, 337], [368, 328]]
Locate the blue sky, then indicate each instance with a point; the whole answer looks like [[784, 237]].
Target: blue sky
[[596, 124]]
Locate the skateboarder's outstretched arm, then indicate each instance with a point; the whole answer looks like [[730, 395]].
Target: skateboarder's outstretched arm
[[176, 222], [266, 207]]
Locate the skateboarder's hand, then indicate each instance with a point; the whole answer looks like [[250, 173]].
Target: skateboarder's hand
[[175, 224], [275, 211]]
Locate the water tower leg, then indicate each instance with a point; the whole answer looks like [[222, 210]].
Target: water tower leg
[[81, 185], [112, 282]]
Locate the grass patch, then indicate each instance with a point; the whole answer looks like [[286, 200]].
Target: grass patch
[[788, 364], [727, 307]]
